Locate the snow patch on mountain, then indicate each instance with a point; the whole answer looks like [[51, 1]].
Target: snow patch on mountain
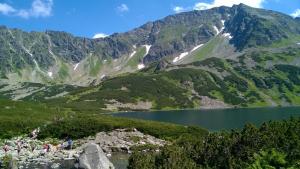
[[223, 23], [147, 49], [27, 51], [184, 54], [228, 35], [217, 30], [50, 74], [75, 67], [132, 54], [196, 47], [181, 56], [141, 66]]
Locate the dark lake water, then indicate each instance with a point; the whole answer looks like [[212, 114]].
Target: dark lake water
[[220, 119]]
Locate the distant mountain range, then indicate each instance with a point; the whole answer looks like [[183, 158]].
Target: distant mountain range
[[221, 57]]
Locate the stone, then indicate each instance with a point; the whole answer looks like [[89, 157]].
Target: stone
[[55, 165], [94, 158], [119, 140]]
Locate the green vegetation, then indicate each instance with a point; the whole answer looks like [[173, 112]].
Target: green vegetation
[[280, 81], [52, 91], [18, 118], [266, 73], [95, 66], [171, 33], [162, 92], [293, 39], [137, 57], [256, 78], [86, 125], [207, 48], [234, 82], [63, 71], [273, 145], [272, 159], [6, 162]]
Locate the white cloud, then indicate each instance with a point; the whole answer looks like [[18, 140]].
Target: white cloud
[[179, 9], [296, 13], [6, 9], [123, 8], [202, 6], [39, 8], [217, 3], [100, 35]]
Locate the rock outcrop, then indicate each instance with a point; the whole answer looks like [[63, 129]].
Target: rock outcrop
[[122, 140], [93, 157], [91, 152]]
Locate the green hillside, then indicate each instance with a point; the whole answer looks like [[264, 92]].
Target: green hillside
[[257, 78]]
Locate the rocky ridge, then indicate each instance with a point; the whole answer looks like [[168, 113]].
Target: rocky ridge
[[59, 57], [120, 140]]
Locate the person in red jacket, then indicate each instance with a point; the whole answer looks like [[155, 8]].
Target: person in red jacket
[[6, 148]]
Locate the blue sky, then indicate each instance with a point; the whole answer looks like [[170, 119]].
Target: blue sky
[[89, 17]]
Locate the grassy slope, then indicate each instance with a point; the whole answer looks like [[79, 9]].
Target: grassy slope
[[137, 57], [207, 48], [257, 78], [18, 117], [95, 66], [63, 71], [154, 88]]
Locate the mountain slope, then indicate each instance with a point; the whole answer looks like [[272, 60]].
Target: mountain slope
[[254, 79], [59, 57]]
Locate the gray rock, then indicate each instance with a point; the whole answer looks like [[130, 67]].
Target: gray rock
[[94, 158], [55, 165]]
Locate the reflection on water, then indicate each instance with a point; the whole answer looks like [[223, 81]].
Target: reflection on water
[[120, 160], [220, 119]]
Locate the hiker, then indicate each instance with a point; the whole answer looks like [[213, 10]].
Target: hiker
[[48, 147], [45, 148], [70, 144], [55, 148], [19, 147], [6, 148], [32, 148], [61, 147], [34, 134]]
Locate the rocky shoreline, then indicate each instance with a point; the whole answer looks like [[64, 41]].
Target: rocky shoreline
[[119, 140]]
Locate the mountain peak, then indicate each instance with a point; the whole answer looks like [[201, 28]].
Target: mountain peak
[[220, 31], [242, 5]]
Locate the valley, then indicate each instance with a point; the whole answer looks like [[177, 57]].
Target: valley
[[174, 93]]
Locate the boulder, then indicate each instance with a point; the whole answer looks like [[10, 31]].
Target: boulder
[[93, 157]]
